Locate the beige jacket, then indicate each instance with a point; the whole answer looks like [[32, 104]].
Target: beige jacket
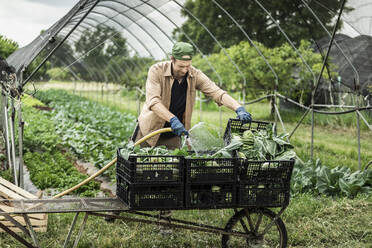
[[158, 91]]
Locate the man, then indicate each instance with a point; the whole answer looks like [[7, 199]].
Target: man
[[170, 97]]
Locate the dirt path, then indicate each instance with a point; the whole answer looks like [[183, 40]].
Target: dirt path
[[89, 169]]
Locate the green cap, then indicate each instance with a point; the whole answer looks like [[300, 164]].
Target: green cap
[[182, 51]]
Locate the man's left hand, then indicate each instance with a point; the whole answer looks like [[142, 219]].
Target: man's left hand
[[243, 115]]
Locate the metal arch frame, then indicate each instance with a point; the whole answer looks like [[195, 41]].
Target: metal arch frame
[[80, 7], [61, 42], [73, 58], [130, 32], [109, 26], [336, 43], [90, 18], [133, 22], [218, 43], [94, 73], [277, 114], [84, 55], [343, 19], [143, 16], [306, 65], [317, 85], [128, 43], [287, 38], [124, 72], [126, 29], [82, 63], [111, 18]]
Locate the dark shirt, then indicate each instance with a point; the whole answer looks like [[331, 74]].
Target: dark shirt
[[178, 103]]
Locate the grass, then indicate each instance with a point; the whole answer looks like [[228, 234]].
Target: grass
[[311, 222]]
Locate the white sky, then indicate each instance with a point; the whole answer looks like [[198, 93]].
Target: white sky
[[22, 20]]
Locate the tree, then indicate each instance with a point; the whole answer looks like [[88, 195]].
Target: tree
[[7, 47], [294, 80], [296, 20]]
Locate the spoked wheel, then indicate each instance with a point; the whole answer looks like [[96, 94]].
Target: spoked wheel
[[254, 222]]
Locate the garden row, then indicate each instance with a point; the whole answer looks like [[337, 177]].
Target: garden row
[[92, 131], [50, 165]]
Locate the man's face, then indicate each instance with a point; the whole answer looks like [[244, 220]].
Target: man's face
[[180, 67]]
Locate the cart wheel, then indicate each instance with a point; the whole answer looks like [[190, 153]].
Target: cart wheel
[[253, 221]]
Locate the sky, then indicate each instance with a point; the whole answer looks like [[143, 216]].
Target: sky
[[22, 20]]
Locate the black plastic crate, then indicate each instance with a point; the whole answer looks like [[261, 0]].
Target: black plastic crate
[[210, 195], [236, 126], [264, 183], [150, 197], [263, 195], [270, 171], [203, 170], [151, 168]]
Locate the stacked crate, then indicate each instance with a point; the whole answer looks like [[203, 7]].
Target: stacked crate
[[210, 182], [150, 182], [263, 183]]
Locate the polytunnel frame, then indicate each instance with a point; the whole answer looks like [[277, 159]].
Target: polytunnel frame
[[112, 68], [103, 23], [128, 43], [91, 6], [355, 108], [61, 42]]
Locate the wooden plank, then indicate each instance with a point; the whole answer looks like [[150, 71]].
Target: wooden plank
[[17, 189], [35, 223], [7, 208], [36, 229], [32, 218], [11, 209], [7, 193], [38, 216]]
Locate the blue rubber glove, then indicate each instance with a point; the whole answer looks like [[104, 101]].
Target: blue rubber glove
[[177, 127], [243, 115]]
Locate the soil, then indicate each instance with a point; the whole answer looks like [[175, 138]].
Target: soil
[[45, 108], [89, 169]]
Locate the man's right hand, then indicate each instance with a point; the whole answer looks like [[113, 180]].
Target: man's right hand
[[177, 127]]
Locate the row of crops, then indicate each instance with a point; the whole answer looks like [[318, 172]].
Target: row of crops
[[77, 128]]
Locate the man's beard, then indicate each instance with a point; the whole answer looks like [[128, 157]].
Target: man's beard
[[180, 74]]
